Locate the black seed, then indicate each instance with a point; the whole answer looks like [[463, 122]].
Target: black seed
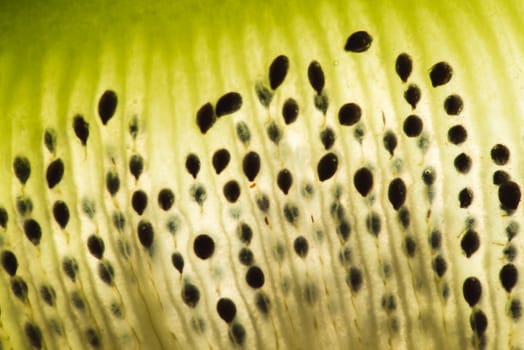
[[510, 252], [139, 201], [412, 95], [509, 276], [198, 193], [78, 301], [457, 134], [262, 302], [301, 246], [243, 133], [93, 338], [107, 105], [439, 265], [55, 172], [440, 74], [48, 294], [274, 133], [255, 277], [136, 165], [515, 309], [284, 180], [22, 169], [106, 272], [61, 213], [278, 71], [166, 198], [228, 103], [245, 233], [9, 262], [470, 243], [453, 105], [290, 111], [231, 191], [226, 309], [70, 267], [512, 230], [32, 230], [237, 334], [413, 126], [205, 117], [349, 114], [316, 78], [321, 102], [193, 165], [429, 176], [509, 195], [112, 182], [344, 229], [119, 220], [403, 66], [204, 246], [178, 261], [190, 295], [220, 160], [397, 193], [462, 163], [4, 217], [291, 213], [354, 279], [500, 154], [327, 136], [410, 245], [465, 197], [81, 128], [327, 166], [363, 181], [19, 288], [50, 140], [390, 141], [358, 42], [404, 217], [262, 202], [96, 246], [472, 290], [33, 334], [251, 165], [373, 223], [145, 233], [500, 176], [264, 94], [478, 322], [245, 256]]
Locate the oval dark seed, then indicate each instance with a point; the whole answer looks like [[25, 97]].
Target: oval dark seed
[[278, 71], [136, 165], [509, 195], [264, 94], [404, 217], [204, 246], [515, 309], [453, 105], [145, 233], [510, 252], [363, 181], [429, 176], [190, 295], [96, 246], [33, 231], [107, 105], [301, 246], [508, 276], [373, 223], [221, 160], [359, 41], [61, 213], [321, 102], [440, 74], [81, 128], [22, 169], [262, 302], [412, 95], [245, 233], [193, 165], [205, 117], [251, 165], [198, 193], [472, 290], [231, 191], [50, 140], [243, 133], [274, 133], [166, 198], [457, 134], [284, 180], [24, 205], [500, 176], [403, 66], [397, 193], [439, 265], [470, 243], [33, 334], [228, 103], [19, 288], [327, 137], [4, 217], [237, 334], [316, 78], [291, 213], [435, 239], [245, 256], [411, 246], [48, 294], [390, 141], [226, 309], [478, 322], [262, 201], [500, 154], [465, 197], [255, 277], [349, 114], [139, 201], [178, 261], [290, 111], [9, 262], [327, 166], [54, 173], [112, 182], [70, 267], [354, 279], [413, 126], [93, 338], [106, 272], [462, 163]]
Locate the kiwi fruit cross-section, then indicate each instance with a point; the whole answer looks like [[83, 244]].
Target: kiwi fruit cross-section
[[261, 174]]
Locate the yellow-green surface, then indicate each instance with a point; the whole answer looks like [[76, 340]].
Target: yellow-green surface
[[165, 60]]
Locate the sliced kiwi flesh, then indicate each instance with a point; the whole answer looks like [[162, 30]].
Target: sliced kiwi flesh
[[298, 175]]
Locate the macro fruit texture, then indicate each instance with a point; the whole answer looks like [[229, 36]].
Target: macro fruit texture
[[298, 175]]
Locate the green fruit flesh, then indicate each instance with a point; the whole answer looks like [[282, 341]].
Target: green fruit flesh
[[332, 277]]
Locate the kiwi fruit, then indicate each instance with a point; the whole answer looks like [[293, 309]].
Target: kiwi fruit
[[261, 174]]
